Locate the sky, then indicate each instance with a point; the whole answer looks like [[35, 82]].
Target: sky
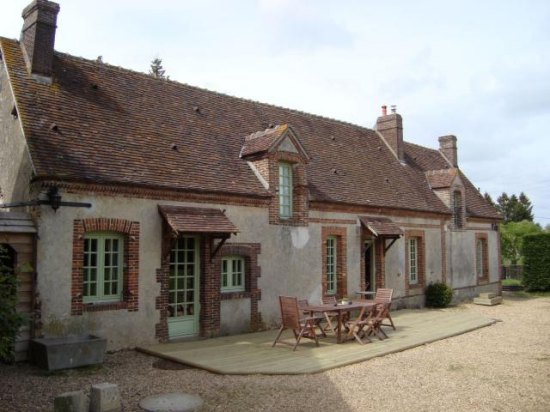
[[479, 70]]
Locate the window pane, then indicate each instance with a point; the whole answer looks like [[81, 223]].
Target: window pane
[[285, 190], [102, 266], [331, 265], [232, 274], [413, 260]]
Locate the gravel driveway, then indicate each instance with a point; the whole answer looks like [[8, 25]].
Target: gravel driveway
[[504, 367]]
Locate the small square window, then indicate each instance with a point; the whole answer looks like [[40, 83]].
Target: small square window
[[232, 274]]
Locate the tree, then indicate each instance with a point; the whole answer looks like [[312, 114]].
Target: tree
[[157, 70], [525, 210], [511, 238], [514, 209], [489, 199]]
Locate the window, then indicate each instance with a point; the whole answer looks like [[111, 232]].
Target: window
[[413, 260], [457, 209], [103, 267], [232, 274], [285, 190], [481, 257], [331, 265]]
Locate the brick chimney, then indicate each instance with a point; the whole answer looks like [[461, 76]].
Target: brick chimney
[[38, 37], [447, 147], [390, 126]]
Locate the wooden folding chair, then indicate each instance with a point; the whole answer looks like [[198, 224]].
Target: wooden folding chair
[[330, 317], [369, 325], [373, 323], [385, 296], [319, 317], [291, 319]]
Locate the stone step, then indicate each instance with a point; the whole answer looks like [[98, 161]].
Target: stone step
[[490, 295], [488, 302]]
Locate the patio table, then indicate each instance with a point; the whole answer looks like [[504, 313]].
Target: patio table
[[341, 308]]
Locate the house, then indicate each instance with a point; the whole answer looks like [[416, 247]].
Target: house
[[163, 210]]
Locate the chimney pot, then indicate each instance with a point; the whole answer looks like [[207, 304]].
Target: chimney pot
[[384, 110], [38, 36], [393, 108]]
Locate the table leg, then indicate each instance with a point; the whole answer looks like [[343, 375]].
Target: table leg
[[339, 334]]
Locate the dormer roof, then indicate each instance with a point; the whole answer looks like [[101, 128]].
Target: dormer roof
[[280, 137], [441, 179]]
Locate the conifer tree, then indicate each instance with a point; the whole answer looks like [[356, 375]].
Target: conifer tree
[[157, 70]]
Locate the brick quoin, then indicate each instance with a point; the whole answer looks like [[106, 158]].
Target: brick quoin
[[130, 292]]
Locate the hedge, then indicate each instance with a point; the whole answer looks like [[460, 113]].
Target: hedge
[[10, 320], [536, 271]]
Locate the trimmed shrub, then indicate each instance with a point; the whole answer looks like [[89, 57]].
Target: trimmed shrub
[[536, 269], [438, 295], [10, 320]]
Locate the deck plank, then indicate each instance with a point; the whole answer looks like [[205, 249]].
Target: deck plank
[[252, 353]]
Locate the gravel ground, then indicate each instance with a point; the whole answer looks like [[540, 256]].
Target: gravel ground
[[504, 367]]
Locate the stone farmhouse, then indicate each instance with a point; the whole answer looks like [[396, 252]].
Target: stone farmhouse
[[152, 210]]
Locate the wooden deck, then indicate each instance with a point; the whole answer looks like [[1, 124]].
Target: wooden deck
[[252, 353]]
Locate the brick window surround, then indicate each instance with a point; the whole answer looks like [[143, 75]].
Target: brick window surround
[[341, 235], [483, 238], [300, 205], [416, 288], [130, 290]]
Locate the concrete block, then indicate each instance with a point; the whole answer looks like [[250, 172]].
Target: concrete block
[[172, 402], [490, 295], [488, 302], [105, 397], [71, 402]]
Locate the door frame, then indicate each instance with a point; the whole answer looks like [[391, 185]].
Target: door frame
[[369, 248], [175, 332]]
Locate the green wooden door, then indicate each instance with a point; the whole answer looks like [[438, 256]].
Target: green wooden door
[[183, 303]]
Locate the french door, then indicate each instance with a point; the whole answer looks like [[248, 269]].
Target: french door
[[183, 301]]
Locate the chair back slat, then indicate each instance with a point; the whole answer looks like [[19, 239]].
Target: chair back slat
[[290, 313], [383, 295]]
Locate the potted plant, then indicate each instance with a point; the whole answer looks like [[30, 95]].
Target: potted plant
[[66, 343]]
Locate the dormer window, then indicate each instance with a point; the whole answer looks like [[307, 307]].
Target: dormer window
[[458, 210], [285, 190], [278, 159]]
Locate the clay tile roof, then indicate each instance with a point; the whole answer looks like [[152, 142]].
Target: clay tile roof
[[261, 142], [433, 165], [439, 179], [381, 226], [101, 124], [196, 220]]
